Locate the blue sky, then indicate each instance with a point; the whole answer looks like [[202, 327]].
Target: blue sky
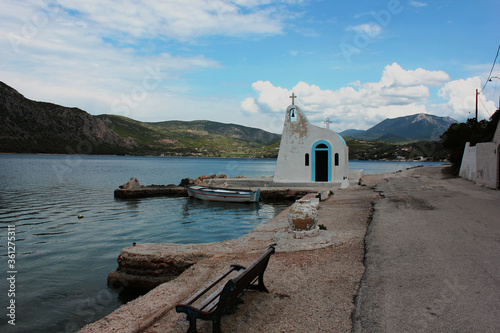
[[237, 61]]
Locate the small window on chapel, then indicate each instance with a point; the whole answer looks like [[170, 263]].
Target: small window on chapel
[[307, 160], [336, 159]]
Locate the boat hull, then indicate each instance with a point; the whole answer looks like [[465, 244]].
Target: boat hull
[[223, 195]]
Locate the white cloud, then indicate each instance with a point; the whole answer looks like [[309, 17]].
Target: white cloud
[[395, 75], [417, 4], [88, 53], [249, 106], [106, 57], [74, 69], [270, 98], [369, 29], [461, 97], [360, 105], [179, 19]]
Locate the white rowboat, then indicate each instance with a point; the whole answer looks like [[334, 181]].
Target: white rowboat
[[222, 194]]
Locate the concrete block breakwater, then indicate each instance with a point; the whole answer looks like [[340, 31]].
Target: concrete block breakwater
[[133, 189]]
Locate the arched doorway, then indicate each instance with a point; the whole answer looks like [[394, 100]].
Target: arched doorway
[[322, 162]]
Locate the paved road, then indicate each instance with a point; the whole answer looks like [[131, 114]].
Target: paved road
[[432, 257]]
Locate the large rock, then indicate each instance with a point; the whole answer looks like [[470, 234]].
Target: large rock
[[146, 266], [132, 184]]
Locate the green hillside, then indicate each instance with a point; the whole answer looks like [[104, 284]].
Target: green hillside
[[28, 126], [195, 138]]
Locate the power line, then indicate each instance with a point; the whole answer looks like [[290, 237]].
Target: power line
[[484, 106], [493, 66]]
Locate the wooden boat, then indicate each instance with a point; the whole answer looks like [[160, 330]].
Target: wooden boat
[[223, 194]]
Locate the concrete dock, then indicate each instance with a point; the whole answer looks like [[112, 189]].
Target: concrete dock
[[267, 194], [269, 190]]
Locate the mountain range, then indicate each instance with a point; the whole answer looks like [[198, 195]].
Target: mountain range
[[417, 127], [28, 126]]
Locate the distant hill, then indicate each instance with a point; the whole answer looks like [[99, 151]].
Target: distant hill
[[352, 133], [195, 138], [28, 126], [418, 127]]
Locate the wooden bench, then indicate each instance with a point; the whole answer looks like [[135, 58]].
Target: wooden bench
[[213, 306]]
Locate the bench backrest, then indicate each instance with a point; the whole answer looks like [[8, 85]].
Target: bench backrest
[[244, 278]]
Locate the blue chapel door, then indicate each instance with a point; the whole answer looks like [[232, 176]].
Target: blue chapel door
[[322, 162]]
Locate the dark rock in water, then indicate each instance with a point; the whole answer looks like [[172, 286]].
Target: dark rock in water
[[186, 182]]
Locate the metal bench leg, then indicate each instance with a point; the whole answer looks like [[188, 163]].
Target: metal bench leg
[[262, 287], [259, 284], [216, 326], [192, 324]]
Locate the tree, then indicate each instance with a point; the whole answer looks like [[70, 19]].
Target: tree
[[458, 134]]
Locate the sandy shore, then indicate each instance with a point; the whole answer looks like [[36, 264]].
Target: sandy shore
[[314, 284]]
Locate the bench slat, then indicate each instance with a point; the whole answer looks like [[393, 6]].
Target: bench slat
[[210, 299], [209, 286]]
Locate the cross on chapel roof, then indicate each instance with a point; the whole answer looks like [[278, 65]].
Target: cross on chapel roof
[[327, 122], [293, 97]]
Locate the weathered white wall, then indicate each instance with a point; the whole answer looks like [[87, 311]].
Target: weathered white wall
[[297, 140], [496, 137], [481, 163], [486, 164], [468, 166]]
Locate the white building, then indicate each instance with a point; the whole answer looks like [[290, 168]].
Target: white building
[[310, 153], [481, 163]]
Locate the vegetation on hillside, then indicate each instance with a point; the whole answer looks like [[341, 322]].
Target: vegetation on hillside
[[28, 126], [380, 150], [473, 131], [194, 138]]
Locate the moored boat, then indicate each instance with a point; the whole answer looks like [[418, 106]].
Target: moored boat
[[223, 194]]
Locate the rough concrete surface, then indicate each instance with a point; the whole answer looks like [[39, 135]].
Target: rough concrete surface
[[432, 256]]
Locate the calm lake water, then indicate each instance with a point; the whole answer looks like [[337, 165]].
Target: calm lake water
[[62, 262]]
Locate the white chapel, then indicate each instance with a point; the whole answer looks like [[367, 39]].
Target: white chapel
[[310, 153]]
